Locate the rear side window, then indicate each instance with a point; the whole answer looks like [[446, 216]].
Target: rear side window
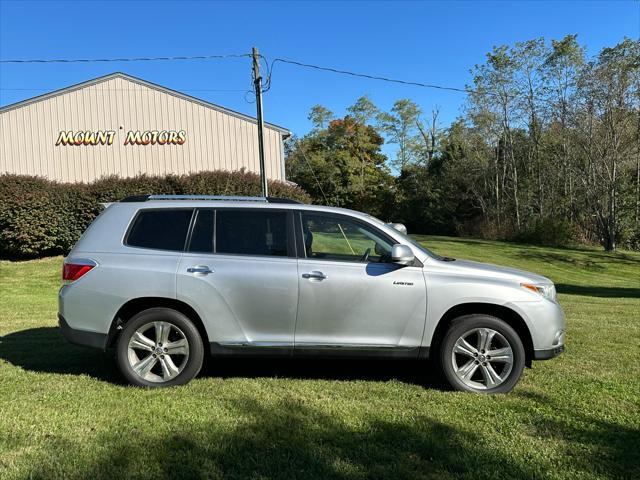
[[251, 232], [202, 235], [160, 229]]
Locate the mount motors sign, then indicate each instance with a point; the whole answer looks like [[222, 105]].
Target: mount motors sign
[[133, 137]]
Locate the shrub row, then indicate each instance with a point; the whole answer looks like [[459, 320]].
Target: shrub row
[[39, 217]]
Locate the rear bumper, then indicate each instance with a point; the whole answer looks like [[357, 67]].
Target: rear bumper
[[548, 353], [82, 337]]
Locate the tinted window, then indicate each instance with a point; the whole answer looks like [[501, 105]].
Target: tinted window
[[339, 239], [202, 236], [251, 232], [161, 229]]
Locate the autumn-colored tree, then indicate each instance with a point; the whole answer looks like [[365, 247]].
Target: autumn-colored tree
[[342, 165]]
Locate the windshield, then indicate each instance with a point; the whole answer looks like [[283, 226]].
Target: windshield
[[410, 240]]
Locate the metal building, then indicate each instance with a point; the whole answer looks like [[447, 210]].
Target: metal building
[[125, 126]]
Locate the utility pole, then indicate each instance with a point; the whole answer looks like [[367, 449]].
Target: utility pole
[[257, 82]]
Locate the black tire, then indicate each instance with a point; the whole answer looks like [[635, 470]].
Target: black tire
[[468, 323], [191, 364]]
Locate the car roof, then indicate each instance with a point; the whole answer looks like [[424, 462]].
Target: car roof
[[244, 204], [180, 201]]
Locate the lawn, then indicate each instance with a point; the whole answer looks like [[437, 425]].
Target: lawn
[[64, 411]]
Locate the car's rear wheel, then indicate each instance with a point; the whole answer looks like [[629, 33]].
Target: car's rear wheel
[[160, 347], [483, 354]]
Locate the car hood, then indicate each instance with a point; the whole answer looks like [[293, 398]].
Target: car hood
[[496, 271]]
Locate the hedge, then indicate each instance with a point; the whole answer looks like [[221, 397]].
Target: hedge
[[39, 217]]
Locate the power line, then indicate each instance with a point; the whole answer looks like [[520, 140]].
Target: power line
[[362, 75], [134, 59], [269, 68]]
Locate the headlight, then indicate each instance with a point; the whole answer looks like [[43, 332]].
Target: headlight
[[547, 291]]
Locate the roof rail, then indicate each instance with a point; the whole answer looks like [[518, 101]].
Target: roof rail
[[227, 198], [282, 200], [135, 198]]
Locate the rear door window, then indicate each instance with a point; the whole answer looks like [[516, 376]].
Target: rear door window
[[202, 235], [251, 232], [164, 229]]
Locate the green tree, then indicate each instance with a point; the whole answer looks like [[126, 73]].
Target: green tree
[[438, 197], [363, 111], [561, 69], [494, 100], [342, 165], [320, 116], [607, 119], [400, 126]]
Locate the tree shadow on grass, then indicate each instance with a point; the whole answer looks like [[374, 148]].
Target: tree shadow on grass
[[250, 437], [590, 260], [45, 350], [595, 291], [287, 438], [616, 453], [587, 263], [415, 372]]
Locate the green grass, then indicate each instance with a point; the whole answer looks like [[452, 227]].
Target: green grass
[[64, 411]]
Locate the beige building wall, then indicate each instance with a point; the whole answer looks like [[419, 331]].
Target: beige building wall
[[216, 139]]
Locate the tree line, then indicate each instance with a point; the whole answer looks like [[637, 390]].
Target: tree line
[[546, 150]]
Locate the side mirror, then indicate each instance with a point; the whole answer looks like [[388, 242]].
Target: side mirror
[[402, 254], [399, 227]]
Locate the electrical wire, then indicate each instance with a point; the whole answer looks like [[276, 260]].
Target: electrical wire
[[134, 59], [268, 67], [361, 75], [308, 164], [247, 93]]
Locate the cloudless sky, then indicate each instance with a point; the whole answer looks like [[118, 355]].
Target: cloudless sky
[[430, 42]]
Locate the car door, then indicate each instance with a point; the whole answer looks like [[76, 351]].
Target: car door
[[240, 272], [351, 297]]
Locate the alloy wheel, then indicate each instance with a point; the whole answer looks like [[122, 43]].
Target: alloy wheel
[[482, 358], [158, 351]]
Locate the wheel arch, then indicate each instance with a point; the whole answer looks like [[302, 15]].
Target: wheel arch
[[511, 317], [137, 305]]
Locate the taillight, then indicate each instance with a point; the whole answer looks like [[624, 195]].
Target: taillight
[[72, 271]]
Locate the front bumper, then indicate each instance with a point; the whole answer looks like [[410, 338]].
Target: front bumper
[[548, 353], [546, 323], [82, 337]]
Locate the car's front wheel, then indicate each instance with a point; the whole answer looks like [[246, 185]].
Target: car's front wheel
[[483, 354], [160, 347]]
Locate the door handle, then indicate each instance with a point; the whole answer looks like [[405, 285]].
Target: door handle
[[314, 275], [204, 269]]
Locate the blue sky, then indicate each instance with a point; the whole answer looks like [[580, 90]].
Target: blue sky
[[431, 42]]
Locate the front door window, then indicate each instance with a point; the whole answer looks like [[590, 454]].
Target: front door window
[[335, 238]]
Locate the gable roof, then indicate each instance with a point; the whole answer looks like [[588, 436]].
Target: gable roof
[[283, 131]]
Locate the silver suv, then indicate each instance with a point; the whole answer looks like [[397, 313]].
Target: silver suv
[[164, 279]]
